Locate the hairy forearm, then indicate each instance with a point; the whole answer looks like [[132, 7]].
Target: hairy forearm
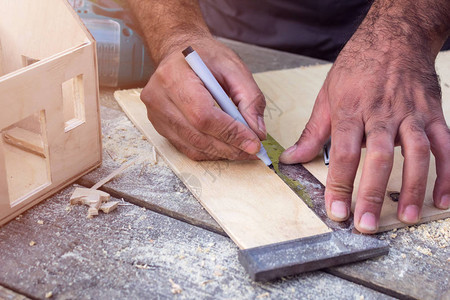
[[400, 34], [423, 25], [169, 25]]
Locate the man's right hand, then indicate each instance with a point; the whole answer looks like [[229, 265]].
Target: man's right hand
[[182, 110]]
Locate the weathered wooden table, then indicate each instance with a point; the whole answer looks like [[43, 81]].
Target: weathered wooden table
[[160, 243]]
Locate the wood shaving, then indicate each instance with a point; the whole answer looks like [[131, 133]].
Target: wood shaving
[[145, 266], [204, 283], [263, 295], [48, 295], [40, 222], [176, 289], [32, 243]]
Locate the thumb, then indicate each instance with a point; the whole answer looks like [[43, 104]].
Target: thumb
[[314, 136]]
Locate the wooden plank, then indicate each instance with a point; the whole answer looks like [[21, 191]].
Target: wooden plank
[[133, 253], [7, 294], [417, 265], [251, 203], [294, 93]]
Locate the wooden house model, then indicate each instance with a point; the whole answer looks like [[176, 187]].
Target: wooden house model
[[49, 110]]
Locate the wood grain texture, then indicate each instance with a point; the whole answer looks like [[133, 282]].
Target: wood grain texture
[[133, 253], [293, 92], [7, 294], [252, 204]]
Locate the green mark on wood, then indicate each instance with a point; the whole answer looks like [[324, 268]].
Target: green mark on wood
[[274, 151]]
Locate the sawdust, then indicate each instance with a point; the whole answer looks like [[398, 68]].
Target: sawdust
[[424, 250], [435, 233], [431, 239], [123, 142]]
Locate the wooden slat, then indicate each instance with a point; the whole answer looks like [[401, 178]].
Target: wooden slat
[[294, 92], [252, 204], [25, 140]]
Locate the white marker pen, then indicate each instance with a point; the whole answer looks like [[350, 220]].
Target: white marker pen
[[202, 71]]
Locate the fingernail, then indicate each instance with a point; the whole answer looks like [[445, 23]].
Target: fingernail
[[411, 214], [286, 155], [445, 202], [368, 222], [261, 125], [289, 150], [339, 210], [250, 146]]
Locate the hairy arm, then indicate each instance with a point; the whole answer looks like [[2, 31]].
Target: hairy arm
[[383, 91], [178, 104], [169, 25]]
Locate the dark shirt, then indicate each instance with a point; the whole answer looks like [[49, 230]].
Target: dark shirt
[[316, 28]]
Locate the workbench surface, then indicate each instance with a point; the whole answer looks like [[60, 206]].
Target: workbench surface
[[161, 243]]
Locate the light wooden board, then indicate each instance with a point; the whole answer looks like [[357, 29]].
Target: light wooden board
[[253, 205], [291, 95]]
